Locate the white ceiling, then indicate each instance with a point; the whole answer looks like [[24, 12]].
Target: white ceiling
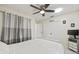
[[26, 9]]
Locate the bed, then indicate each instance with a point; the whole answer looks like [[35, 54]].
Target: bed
[[36, 46]]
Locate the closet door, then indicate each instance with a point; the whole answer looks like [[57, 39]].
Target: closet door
[[12, 29], [39, 31], [15, 28], [1, 19]]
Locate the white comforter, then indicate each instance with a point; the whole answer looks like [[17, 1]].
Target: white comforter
[[37, 46]]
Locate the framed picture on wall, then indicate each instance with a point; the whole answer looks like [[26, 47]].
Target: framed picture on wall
[[64, 21], [72, 24]]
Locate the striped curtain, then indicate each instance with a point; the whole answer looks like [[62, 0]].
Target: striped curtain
[[15, 28]]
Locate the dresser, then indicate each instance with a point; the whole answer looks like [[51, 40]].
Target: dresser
[[73, 43]]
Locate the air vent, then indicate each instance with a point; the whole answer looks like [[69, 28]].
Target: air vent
[[51, 20], [51, 16]]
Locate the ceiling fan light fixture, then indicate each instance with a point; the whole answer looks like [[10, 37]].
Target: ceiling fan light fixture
[[42, 11], [58, 10]]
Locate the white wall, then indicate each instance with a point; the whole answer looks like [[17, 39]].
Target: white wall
[[57, 31]]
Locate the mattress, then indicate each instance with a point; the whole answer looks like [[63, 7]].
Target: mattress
[[36, 46]]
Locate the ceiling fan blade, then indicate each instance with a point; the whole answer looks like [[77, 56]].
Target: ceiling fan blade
[[35, 7], [49, 10], [36, 12], [46, 5]]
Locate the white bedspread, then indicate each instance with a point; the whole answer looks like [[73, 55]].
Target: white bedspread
[[37, 46]]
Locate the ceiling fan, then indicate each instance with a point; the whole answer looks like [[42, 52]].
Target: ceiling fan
[[42, 9]]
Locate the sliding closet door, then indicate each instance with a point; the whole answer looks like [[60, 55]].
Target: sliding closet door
[[1, 19], [21, 31], [15, 28], [6, 27], [12, 29]]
